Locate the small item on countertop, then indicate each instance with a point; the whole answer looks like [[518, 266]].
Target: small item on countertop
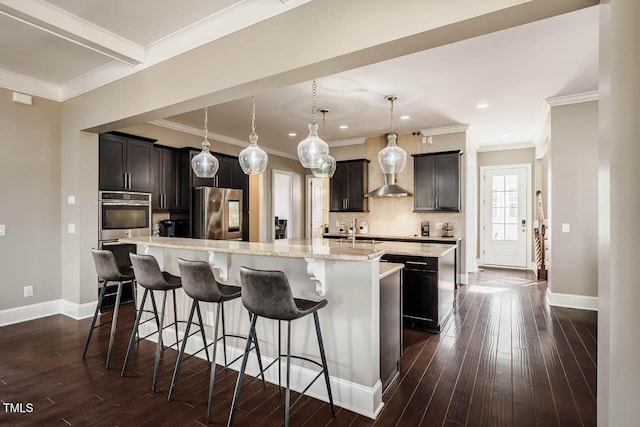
[[364, 227], [352, 229], [326, 228], [447, 229], [341, 228], [424, 226]]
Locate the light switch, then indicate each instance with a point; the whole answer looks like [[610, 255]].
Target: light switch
[[71, 200], [566, 228], [71, 228], [1, 229]]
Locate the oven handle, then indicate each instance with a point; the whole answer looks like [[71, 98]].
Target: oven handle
[[125, 203], [111, 243]]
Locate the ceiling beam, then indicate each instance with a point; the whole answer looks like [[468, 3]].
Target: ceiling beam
[[62, 24]]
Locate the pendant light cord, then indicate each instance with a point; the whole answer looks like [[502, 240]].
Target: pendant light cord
[[206, 121], [313, 108], [253, 115], [391, 114]]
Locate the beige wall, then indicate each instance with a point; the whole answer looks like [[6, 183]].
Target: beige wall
[[30, 201], [573, 163]]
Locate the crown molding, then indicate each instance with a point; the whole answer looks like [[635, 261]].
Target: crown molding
[[444, 130], [29, 85], [65, 25], [572, 99], [350, 141], [131, 58], [502, 147], [217, 137]]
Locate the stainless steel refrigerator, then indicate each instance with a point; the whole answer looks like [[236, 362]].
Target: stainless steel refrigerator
[[217, 213]]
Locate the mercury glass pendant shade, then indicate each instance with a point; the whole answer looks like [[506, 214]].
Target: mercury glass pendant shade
[[326, 169], [204, 164], [392, 158], [253, 159], [312, 151]]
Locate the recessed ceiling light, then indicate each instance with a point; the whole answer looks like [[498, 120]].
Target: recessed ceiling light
[[405, 117], [344, 127], [292, 134], [482, 106], [504, 135]]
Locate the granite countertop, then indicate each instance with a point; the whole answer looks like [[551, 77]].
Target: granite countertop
[[291, 248], [387, 268], [430, 250], [414, 237]]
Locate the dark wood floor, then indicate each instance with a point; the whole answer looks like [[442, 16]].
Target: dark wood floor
[[503, 358]]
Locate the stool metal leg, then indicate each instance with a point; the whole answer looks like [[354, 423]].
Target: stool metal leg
[[279, 358], [213, 362], [155, 308], [325, 369], [288, 392], [176, 370], [134, 289], [204, 336], [114, 321], [159, 345], [254, 337], [224, 336], [175, 316], [135, 327], [95, 317], [236, 393]]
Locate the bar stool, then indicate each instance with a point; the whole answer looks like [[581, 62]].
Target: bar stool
[[200, 284], [148, 275], [266, 293], [108, 271]]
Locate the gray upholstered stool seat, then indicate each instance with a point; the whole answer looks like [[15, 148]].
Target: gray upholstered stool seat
[[151, 278], [201, 285], [108, 271], [266, 293]]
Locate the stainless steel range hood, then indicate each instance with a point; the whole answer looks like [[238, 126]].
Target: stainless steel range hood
[[389, 189]]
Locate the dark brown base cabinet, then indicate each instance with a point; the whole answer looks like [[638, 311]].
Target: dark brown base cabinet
[[428, 289]]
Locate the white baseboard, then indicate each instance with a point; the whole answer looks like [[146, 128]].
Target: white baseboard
[[572, 301], [78, 311], [366, 401], [463, 279], [29, 312], [48, 308]]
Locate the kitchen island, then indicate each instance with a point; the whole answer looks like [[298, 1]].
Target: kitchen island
[[348, 277]]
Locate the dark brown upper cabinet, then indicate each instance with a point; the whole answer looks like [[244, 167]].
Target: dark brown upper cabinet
[[125, 163], [349, 185], [165, 178], [436, 181]]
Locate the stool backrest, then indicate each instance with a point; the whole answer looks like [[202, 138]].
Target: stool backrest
[[147, 271], [106, 265], [198, 280], [267, 293]]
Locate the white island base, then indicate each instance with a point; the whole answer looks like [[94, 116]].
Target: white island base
[[347, 277]]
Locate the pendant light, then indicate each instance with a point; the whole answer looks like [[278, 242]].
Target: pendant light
[[312, 151], [253, 159], [392, 158], [328, 167], [205, 165]]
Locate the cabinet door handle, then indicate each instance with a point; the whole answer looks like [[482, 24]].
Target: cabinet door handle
[[437, 201], [129, 181], [416, 262]]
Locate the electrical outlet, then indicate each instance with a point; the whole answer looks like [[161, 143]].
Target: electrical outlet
[[1, 229], [71, 228], [438, 226], [28, 291], [71, 200], [566, 228]]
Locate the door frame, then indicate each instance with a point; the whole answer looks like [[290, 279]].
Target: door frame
[[528, 196], [290, 220]]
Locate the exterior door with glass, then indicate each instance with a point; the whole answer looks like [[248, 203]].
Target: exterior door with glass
[[505, 222]]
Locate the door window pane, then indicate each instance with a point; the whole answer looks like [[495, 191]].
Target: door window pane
[[504, 207]]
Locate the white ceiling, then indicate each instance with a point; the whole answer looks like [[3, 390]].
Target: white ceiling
[[513, 70]]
